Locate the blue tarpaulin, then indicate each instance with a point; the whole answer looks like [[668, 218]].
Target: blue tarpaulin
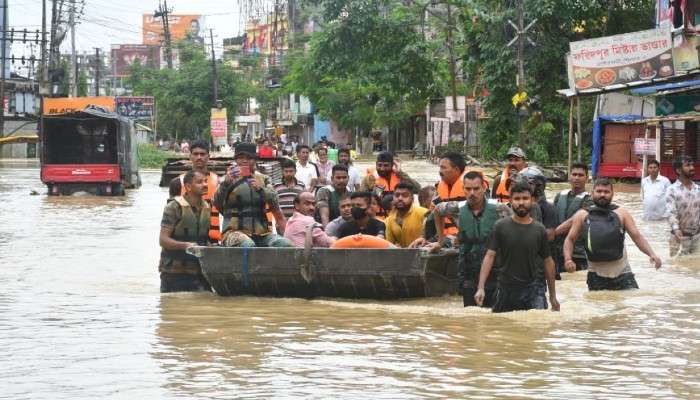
[[666, 86], [598, 137]]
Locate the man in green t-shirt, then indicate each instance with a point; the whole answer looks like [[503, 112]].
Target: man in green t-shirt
[[522, 247]]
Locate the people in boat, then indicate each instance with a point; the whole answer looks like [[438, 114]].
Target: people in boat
[[375, 209], [199, 157], [567, 203], [354, 178], [405, 222], [475, 221], [345, 206], [303, 220], [328, 197], [324, 166], [185, 223], [307, 173], [361, 221], [683, 204], [521, 244], [248, 200], [425, 197], [452, 170], [653, 193], [516, 163], [289, 188], [604, 225], [386, 175]]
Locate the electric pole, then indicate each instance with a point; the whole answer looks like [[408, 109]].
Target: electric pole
[[520, 38], [453, 67], [44, 59], [213, 67], [163, 12], [98, 66], [72, 81], [3, 53]]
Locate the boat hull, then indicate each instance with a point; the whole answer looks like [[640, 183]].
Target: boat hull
[[343, 273]]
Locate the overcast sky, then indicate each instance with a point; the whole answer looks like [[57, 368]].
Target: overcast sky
[[107, 22]]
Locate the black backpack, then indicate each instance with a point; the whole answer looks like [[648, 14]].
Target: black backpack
[[604, 234]]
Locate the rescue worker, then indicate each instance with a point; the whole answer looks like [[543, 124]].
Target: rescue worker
[[476, 220], [185, 224], [386, 176], [405, 222], [516, 163], [538, 184], [245, 197], [452, 170], [199, 156], [604, 225], [521, 244], [328, 197], [567, 203]]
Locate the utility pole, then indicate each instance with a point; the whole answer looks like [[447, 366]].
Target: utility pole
[[213, 67], [163, 12], [453, 67], [98, 66], [72, 81], [3, 54], [520, 38], [44, 58]]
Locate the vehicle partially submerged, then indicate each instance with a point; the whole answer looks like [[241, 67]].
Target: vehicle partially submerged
[[90, 150], [320, 272]]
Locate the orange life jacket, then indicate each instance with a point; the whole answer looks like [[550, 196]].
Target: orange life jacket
[[454, 193], [390, 185], [502, 194], [212, 184]]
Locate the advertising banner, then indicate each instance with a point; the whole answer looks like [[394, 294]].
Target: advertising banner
[[645, 146], [64, 105], [180, 25], [219, 126], [625, 58], [125, 55], [135, 107]]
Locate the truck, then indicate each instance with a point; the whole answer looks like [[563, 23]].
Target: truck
[[87, 147]]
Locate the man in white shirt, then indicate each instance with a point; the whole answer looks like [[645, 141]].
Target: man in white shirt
[[354, 178], [307, 173], [654, 193]]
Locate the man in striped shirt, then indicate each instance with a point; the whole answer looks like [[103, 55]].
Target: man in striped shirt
[[289, 188]]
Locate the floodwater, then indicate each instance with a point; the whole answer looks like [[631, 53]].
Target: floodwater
[[81, 317]]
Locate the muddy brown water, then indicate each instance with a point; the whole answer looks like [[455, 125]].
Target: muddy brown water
[[81, 317]]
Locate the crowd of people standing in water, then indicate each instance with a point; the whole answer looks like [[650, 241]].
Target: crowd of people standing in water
[[514, 244]]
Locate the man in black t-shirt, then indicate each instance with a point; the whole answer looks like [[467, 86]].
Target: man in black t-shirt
[[361, 222], [523, 248]]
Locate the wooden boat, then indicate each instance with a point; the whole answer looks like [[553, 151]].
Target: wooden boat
[[344, 273]]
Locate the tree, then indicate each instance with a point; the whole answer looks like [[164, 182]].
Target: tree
[[369, 67]]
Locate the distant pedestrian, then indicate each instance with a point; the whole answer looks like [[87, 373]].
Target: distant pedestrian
[[683, 204], [653, 192]]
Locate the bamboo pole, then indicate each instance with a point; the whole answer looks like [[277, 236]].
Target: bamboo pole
[[571, 136]]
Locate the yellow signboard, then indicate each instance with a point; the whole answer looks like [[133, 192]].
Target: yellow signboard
[[65, 105]]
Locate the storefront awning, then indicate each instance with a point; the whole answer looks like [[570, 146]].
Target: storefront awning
[[651, 90]]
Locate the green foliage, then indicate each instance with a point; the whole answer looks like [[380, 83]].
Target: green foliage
[[369, 67], [152, 157], [184, 97], [490, 65], [82, 84]]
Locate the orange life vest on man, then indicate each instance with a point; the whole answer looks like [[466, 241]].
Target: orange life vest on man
[[212, 184], [502, 194], [388, 185], [454, 193]]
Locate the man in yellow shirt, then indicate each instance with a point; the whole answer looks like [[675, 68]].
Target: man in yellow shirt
[[405, 222]]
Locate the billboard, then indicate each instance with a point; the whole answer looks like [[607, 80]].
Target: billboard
[[179, 24], [135, 107], [630, 57], [63, 105], [219, 126], [124, 56]]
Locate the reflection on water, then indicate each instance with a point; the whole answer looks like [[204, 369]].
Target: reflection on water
[[80, 316]]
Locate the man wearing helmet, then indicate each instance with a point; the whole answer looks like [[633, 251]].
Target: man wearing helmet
[[538, 182]]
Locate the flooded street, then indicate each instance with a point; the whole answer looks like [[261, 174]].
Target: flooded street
[[81, 317]]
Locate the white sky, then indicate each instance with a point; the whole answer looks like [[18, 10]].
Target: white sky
[[107, 22]]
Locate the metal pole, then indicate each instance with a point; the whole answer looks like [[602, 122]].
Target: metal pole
[[571, 136], [645, 158], [2, 66], [453, 67], [579, 138], [521, 67], [44, 58], [73, 87], [98, 66], [213, 67]]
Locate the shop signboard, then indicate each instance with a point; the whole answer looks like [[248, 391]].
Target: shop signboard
[[219, 126], [125, 55], [685, 53], [644, 146], [135, 107], [620, 59]]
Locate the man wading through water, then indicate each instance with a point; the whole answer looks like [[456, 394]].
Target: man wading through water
[[521, 244], [603, 228]]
